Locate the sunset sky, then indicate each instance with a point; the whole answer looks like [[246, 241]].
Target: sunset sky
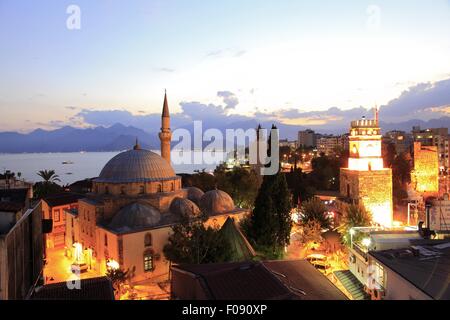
[[244, 56]]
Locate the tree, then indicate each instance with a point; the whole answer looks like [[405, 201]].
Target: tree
[[48, 186], [354, 216], [311, 232], [118, 277], [401, 176], [314, 210], [241, 184], [49, 176], [192, 242], [270, 223]]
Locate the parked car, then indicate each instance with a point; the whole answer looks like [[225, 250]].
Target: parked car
[[320, 262]]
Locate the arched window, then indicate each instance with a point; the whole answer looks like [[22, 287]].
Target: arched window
[[106, 190], [122, 190], [148, 240], [159, 188], [141, 190], [172, 186]]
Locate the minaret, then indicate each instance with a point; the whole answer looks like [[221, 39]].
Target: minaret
[[165, 135]]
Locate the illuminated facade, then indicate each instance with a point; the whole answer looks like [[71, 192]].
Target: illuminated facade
[[425, 177], [366, 180]]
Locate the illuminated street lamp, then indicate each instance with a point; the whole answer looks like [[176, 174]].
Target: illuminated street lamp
[[366, 242], [112, 264], [352, 233]]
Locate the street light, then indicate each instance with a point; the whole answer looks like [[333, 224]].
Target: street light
[[352, 233]]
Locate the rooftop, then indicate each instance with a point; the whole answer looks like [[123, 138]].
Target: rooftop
[[268, 280], [425, 264], [17, 196], [62, 199], [90, 289]]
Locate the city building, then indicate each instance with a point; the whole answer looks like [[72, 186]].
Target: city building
[[307, 139], [330, 145], [425, 176], [128, 218], [365, 240], [418, 272], [437, 137], [327, 145], [53, 208], [13, 204], [287, 143], [400, 139], [439, 219], [21, 254], [366, 180], [266, 280]]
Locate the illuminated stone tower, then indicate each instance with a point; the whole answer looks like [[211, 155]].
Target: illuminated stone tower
[[366, 181], [166, 134]]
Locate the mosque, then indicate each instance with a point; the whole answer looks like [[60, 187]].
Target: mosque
[[136, 200]]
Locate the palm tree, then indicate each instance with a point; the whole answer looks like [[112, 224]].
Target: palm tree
[[48, 186], [314, 210], [49, 176]]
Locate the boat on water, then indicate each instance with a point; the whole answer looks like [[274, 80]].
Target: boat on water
[[67, 162]]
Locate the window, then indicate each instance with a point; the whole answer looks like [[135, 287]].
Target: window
[[56, 216], [172, 186], [148, 240], [159, 188], [122, 190], [88, 216], [148, 262], [106, 190], [141, 190], [71, 222], [106, 240]]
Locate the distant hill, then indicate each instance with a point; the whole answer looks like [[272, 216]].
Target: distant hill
[[119, 137], [69, 139]]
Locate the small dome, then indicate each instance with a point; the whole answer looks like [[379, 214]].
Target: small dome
[[194, 194], [184, 207], [137, 165], [135, 216], [216, 202]]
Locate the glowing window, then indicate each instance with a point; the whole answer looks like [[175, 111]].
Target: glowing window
[[148, 262]]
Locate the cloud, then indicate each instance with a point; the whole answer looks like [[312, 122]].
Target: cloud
[[424, 100], [229, 98], [420, 101]]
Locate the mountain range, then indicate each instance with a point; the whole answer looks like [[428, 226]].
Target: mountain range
[[119, 137]]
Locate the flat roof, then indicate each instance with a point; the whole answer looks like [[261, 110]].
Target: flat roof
[[426, 264]]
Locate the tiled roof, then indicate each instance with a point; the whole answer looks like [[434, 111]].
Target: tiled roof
[[90, 289], [268, 280]]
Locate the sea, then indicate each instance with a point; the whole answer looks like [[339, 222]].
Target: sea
[[71, 167]]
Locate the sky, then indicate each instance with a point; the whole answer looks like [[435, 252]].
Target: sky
[[299, 62]]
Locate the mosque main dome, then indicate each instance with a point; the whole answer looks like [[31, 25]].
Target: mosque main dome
[[137, 165]]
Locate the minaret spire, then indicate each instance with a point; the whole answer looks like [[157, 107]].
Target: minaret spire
[[166, 134]]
